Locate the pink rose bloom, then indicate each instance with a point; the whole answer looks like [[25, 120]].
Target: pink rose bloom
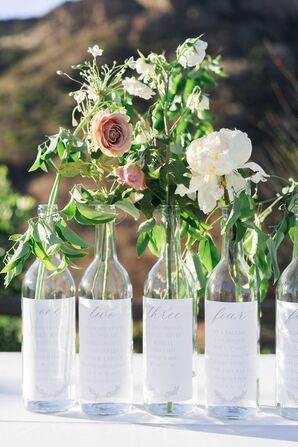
[[132, 175], [111, 133]]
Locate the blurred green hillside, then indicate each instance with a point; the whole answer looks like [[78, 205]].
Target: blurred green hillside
[[258, 41]]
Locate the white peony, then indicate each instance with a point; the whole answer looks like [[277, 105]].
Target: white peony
[[191, 52], [137, 88], [197, 103], [213, 156], [95, 51]]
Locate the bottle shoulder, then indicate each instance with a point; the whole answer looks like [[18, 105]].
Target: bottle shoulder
[[105, 279], [157, 281], [287, 286], [60, 285], [224, 285]]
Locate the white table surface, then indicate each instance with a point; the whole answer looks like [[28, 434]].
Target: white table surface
[[19, 428]]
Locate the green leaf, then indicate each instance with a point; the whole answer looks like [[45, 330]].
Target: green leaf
[[69, 252], [68, 235], [41, 254], [247, 205], [233, 217], [16, 237], [178, 171], [74, 168], [127, 206], [142, 243], [147, 225], [94, 214], [22, 251], [60, 149], [240, 231], [208, 253], [38, 161], [199, 271], [157, 238], [70, 209], [272, 251]]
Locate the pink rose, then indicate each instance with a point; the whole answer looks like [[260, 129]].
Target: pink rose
[[131, 175], [111, 133]]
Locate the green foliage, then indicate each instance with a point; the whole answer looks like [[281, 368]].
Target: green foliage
[[10, 333], [44, 241], [14, 211]]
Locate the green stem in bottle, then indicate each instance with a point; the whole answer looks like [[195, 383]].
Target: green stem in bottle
[[295, 247], [106, 261], [168, 203]]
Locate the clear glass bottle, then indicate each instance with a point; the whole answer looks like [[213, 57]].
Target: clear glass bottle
[[231, 335], [169, 328], [105, 323], [48, 347], [287, 335]]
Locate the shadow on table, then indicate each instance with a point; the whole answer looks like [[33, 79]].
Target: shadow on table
[[267, 425], [8, 390]]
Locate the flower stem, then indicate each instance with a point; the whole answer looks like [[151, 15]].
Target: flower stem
[[170, 407], [169, 222], [106, 261], [52, 201]]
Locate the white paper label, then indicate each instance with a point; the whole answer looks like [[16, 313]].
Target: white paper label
[[168, 349], [48, 348], [287, 353], [231, 353], [105, 350]]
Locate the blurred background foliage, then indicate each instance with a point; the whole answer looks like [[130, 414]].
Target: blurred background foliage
[[259, 44]]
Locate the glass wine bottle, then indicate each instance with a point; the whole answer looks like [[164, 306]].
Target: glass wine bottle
[[169, 333], [231, 335], [105, 323], [48, 348], [287, 335]]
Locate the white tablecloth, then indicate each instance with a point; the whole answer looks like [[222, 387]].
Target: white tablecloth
[[19, 428]]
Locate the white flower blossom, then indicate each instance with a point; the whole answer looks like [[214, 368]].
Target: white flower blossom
[[79, 96], [192, 52], [137, 88], [131, 63], [197, 103], [213, 156], [95, 51], [141, 138], [92, 95], [144, 69]]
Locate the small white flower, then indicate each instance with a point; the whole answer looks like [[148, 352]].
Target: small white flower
[[192, 52], [79, 96], [198, 103], [137, 88], [131, 63], [141, 138], [91, 95], [144, 69], [95, 51]]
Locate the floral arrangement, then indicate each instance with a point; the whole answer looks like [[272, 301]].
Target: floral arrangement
[[143, 135]]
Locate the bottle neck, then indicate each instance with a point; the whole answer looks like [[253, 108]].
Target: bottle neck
[[105, 241], [48, 215], [231, 249], [105, 246], [170, 220]]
